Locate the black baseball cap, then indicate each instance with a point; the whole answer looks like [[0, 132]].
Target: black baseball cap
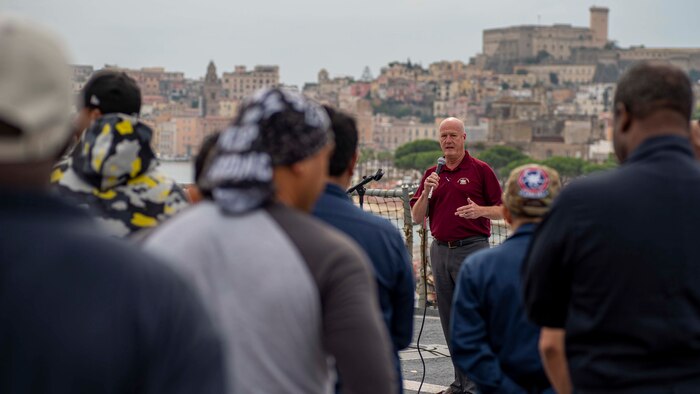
[[112, 92]]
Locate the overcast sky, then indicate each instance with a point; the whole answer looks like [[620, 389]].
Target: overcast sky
[[304, 36]]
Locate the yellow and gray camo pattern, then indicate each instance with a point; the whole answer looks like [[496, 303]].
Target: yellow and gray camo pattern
[[112, 172]]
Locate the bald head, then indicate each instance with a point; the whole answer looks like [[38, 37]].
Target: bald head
[[452, 138], [452, 124]]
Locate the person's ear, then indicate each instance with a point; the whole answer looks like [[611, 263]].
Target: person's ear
[[95, 114], [194, 194], [297, 169], [507, 216], [624, 117], [353, 163]]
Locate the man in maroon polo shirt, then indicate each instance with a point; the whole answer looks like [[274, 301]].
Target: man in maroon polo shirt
[[465, 197]]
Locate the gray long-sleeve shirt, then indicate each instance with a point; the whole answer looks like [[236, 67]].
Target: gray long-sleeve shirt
[[287, 292]]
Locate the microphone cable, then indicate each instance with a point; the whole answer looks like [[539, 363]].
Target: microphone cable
[[424, 263], [424, 266]]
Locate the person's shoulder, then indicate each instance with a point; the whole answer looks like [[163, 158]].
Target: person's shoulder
[[379, 223], [63, 164], [164, 194], [373, 222], [305, 224], [485, 265], [367, 223], [379, 228], [484, 258], [430, 170], [147, 281], [65, 179], [329, 205], [151, 179], [480, 163], [194, 218], [92, 251], [593, 187], [477, 161], [316, 240]]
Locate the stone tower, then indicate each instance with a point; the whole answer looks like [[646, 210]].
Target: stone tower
[[366, 75], [323, 76], [599, 25], [211, 92]]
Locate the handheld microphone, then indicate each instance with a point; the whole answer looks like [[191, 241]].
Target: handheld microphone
[[440, 163]]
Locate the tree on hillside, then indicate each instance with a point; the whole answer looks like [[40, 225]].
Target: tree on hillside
[[387, 158], [366, 155], [418, 161], [416, 147], [504, 172], [608, 164], [567, 167], [500, 156]]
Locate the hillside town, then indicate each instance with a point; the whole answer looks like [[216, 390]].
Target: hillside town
[[543, 89]]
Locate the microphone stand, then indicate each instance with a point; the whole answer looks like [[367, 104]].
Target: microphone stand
[[360, 187]]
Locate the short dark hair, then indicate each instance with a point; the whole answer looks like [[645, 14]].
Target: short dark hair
[[651, 86], [112, 92], [345, 130]]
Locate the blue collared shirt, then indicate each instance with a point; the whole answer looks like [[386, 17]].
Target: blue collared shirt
[[492, 341], [385, 247]]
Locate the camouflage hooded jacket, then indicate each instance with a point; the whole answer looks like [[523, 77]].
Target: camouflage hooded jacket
[[112, 171]]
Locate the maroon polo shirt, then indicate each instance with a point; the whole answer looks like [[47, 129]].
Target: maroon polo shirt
[[472, 178]]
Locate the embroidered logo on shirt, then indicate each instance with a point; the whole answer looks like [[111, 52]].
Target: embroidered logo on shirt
[[463, 181], [533, 183]]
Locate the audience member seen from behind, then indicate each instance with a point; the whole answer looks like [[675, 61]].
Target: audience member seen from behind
[[612, 271], [107, 92], [113, 171], [492, 340], [81, 312], [287, 290], [194, 193], [376, 236], [466, 196]]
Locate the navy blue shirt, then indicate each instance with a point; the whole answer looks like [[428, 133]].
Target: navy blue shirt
[[492, 341], [82, 313], [617, 264], [385, 247]]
